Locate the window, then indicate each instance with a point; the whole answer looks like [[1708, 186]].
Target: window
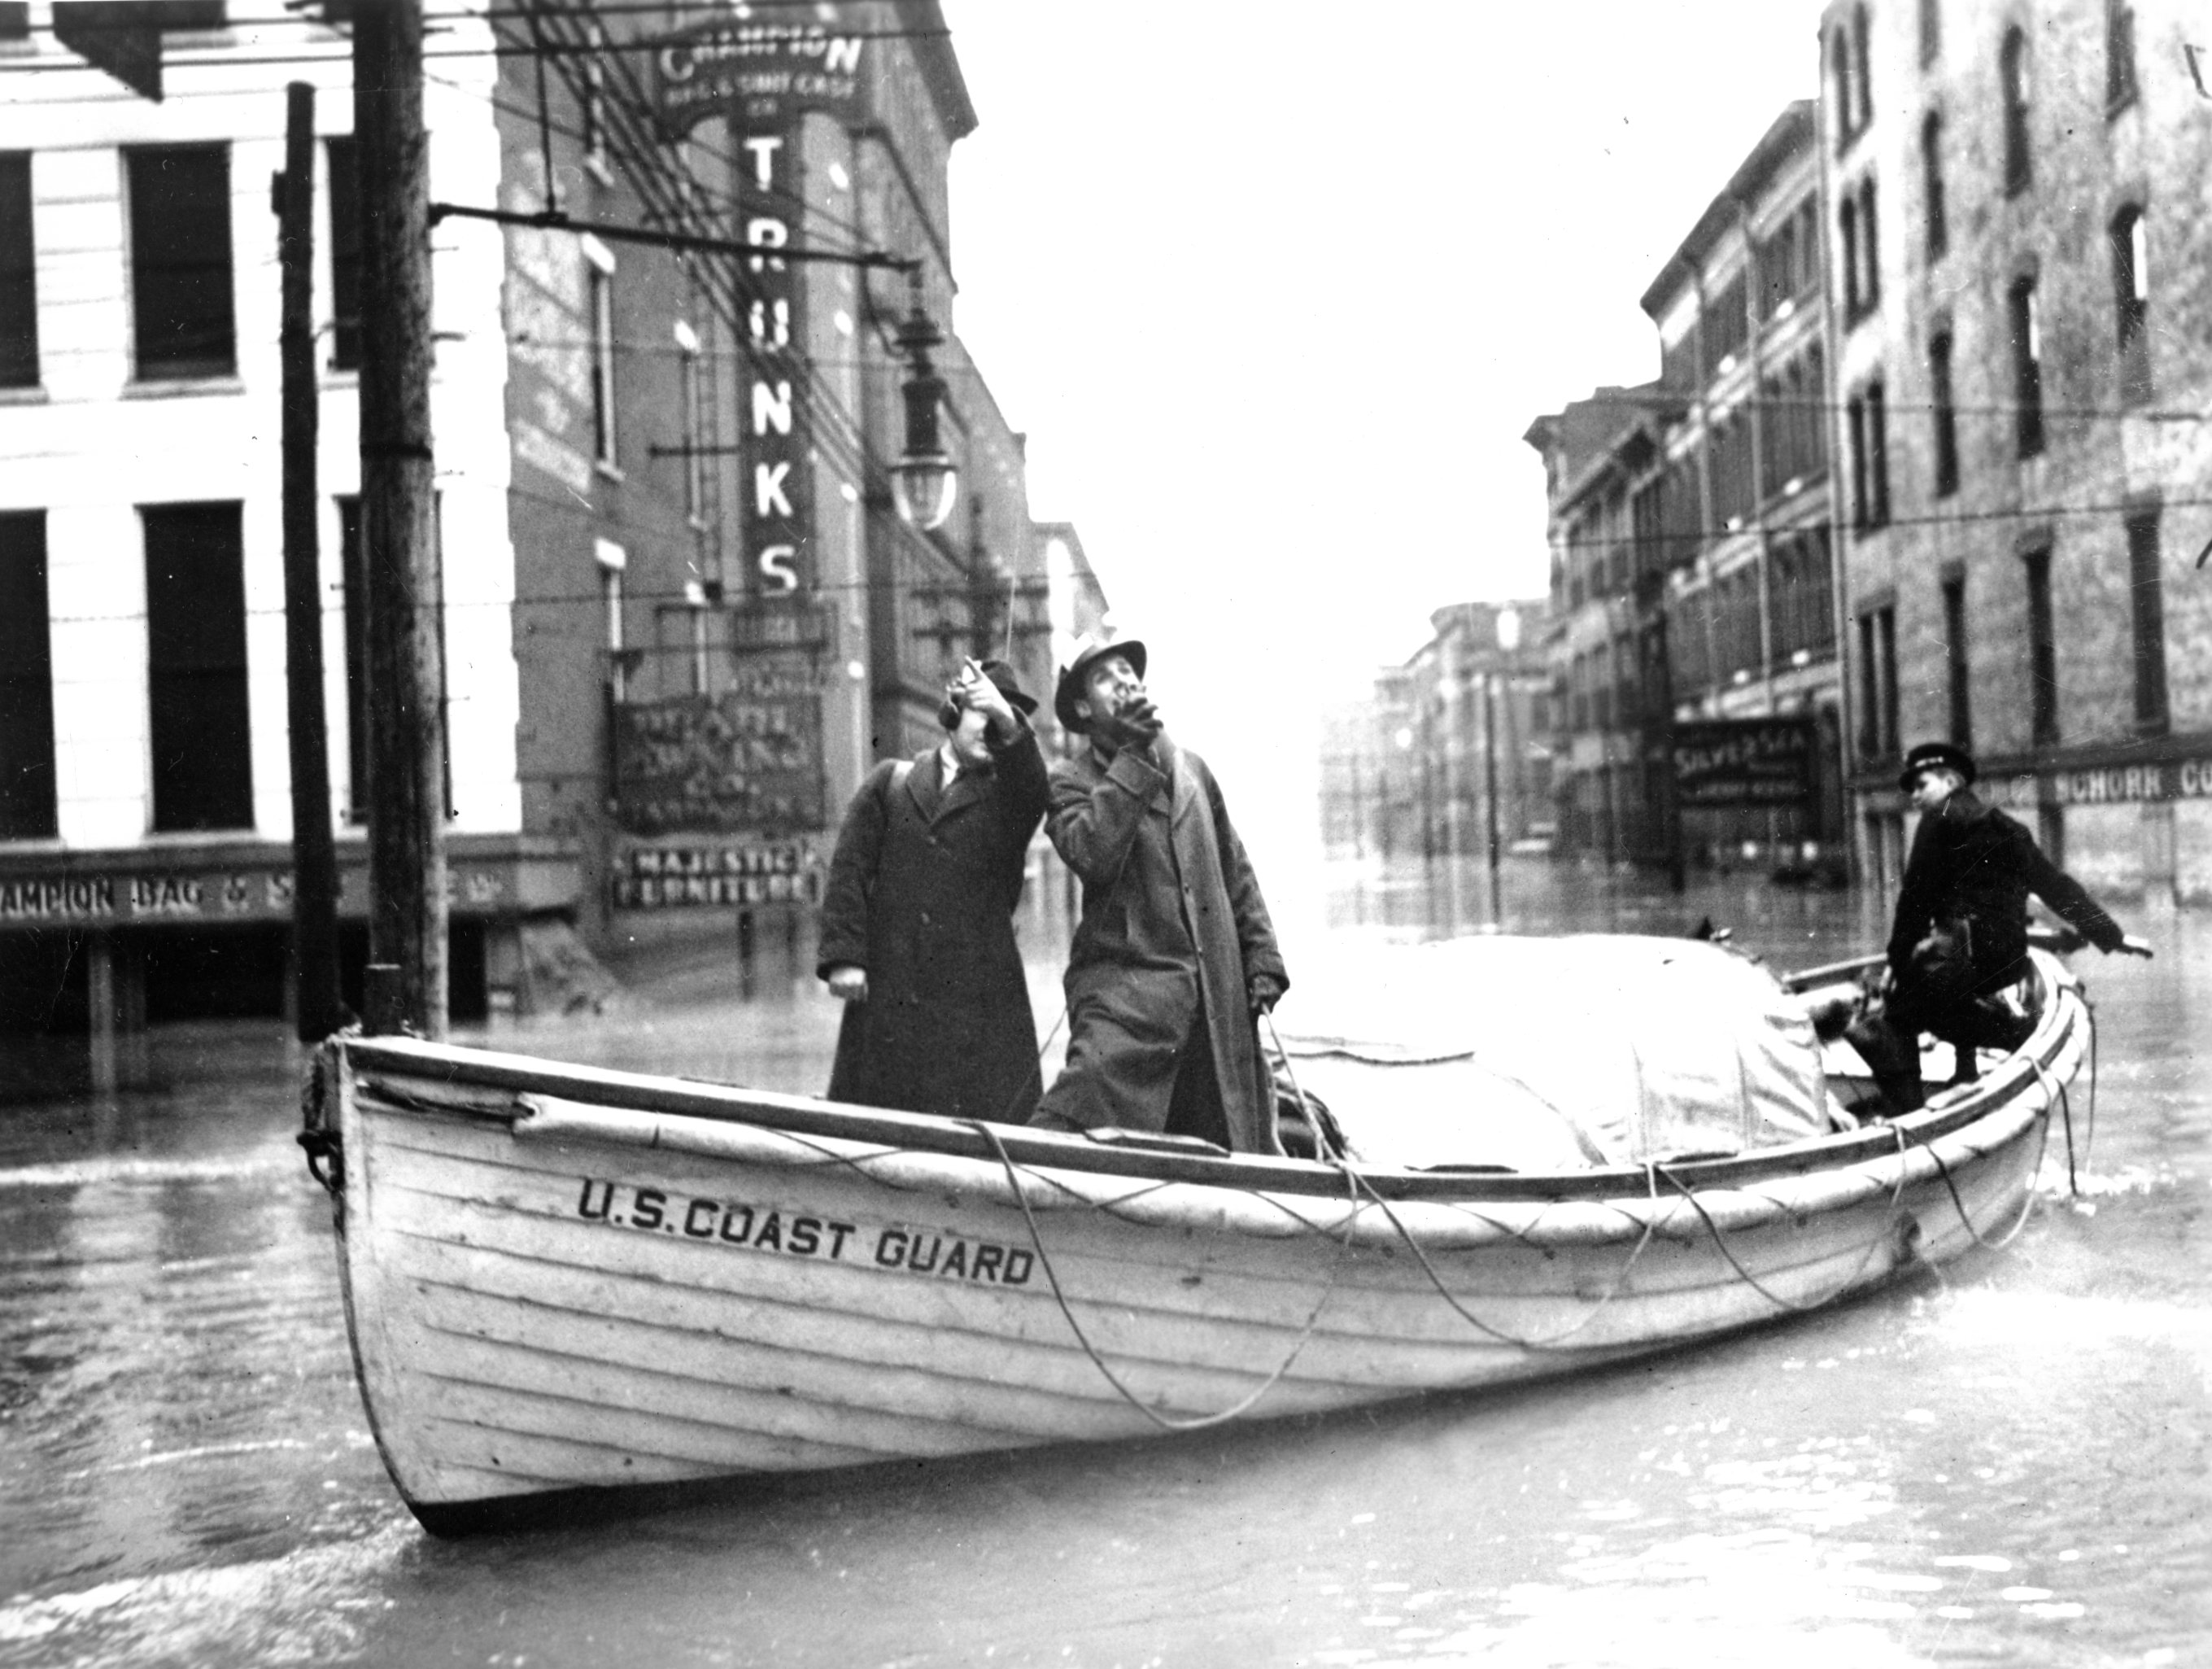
[[1877, 422], [2131, 302], [1726, 326], [182, 316], [1869, 254], [693, 399], [2042, 651], [1842, 83], [2146, 588], [353, 559], [600, 300], [2012, 77], [1954, 661], [1946, 414], [1847, 224], [345, 254], [2119, 55], [1936, 230], [201, 742], [1861, 40], [593, 116], [2026, 369], [19, 276], [612, 559], [1867, 418], [1878, 694], [1931, 31], [26, 681]]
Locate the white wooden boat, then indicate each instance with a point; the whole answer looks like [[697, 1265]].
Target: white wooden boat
[[560, 1278]]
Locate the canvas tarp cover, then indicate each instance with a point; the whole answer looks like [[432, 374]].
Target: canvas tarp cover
[[1556, 1054]]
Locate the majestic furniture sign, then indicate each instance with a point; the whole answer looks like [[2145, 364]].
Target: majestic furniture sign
[[1743, 761]]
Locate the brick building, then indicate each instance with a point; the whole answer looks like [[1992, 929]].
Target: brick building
[[681, 617], [1692, 573], [2023, 370]]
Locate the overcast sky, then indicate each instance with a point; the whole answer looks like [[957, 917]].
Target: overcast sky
[[1275, 289]]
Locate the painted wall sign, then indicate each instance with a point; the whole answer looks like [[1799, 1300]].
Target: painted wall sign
[[739, 872], [747, 761], [2101, 785], [229, 893], [1743, 761], [757, 71]]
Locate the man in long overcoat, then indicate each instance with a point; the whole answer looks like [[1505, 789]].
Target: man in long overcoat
[[1174, 955], [917, 930], [1958, 946]]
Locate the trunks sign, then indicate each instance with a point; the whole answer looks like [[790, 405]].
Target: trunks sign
[[742, 1225]]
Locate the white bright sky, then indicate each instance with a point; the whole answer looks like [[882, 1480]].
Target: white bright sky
[[1275, 289]]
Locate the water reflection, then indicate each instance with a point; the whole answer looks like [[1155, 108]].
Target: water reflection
[[2005, 1464]]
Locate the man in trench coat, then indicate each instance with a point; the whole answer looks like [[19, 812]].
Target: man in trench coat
[[917, 934], [1958, 946], [1174, 956]]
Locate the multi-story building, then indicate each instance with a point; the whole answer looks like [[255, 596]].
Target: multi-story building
[[681, 617], [1452, 749], [2023, 367], [1599, 455], [1693, 569]]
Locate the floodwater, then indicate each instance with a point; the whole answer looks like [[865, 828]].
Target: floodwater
[[2012, 1464]]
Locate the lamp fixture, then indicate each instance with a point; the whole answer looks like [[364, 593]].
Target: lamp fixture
[[925, 485]]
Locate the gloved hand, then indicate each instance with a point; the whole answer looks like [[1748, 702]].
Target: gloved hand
[[1134, 726], [1265, 992]]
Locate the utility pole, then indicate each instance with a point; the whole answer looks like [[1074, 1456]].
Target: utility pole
[[407, 984], [314, 854]]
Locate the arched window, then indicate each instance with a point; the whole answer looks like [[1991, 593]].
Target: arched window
[[1847, 223], [1935, 226], [2027, 369], [1869, 250], [2012, 74], [1931, 31], [2131, 301]]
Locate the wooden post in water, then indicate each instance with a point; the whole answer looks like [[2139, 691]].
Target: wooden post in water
[[318, 1011], [406, 720]]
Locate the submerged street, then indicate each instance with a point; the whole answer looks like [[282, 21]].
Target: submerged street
[[2011, 1462]]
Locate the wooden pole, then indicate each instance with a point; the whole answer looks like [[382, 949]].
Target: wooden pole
[[314, 855], [406, 720]]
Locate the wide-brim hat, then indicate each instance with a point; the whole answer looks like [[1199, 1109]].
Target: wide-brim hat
[[1008, 684], [1932, 755], [1089, 650]]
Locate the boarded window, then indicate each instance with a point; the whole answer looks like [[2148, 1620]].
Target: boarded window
[[345, 255]]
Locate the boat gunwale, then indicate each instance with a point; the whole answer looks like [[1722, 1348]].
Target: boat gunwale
[[2030, 1068]]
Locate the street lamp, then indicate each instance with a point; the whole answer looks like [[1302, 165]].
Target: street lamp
[[925, 485]]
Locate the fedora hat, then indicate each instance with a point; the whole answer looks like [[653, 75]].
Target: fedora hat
[[1009, 686], [1932, 755], [1088, 650]]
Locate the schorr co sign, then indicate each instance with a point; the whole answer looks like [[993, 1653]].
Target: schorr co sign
[[1743, 761]]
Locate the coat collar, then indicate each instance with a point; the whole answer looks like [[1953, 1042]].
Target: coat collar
[[925, 785]]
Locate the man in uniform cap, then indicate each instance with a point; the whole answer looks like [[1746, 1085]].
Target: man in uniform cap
[[917, 929], [1958, 950], [1174, 957]]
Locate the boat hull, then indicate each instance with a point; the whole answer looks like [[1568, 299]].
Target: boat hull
[[560, 1279]]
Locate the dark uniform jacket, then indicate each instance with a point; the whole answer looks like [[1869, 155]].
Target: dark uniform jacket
[[1966, 882], [1173, 929], [921, 893]]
